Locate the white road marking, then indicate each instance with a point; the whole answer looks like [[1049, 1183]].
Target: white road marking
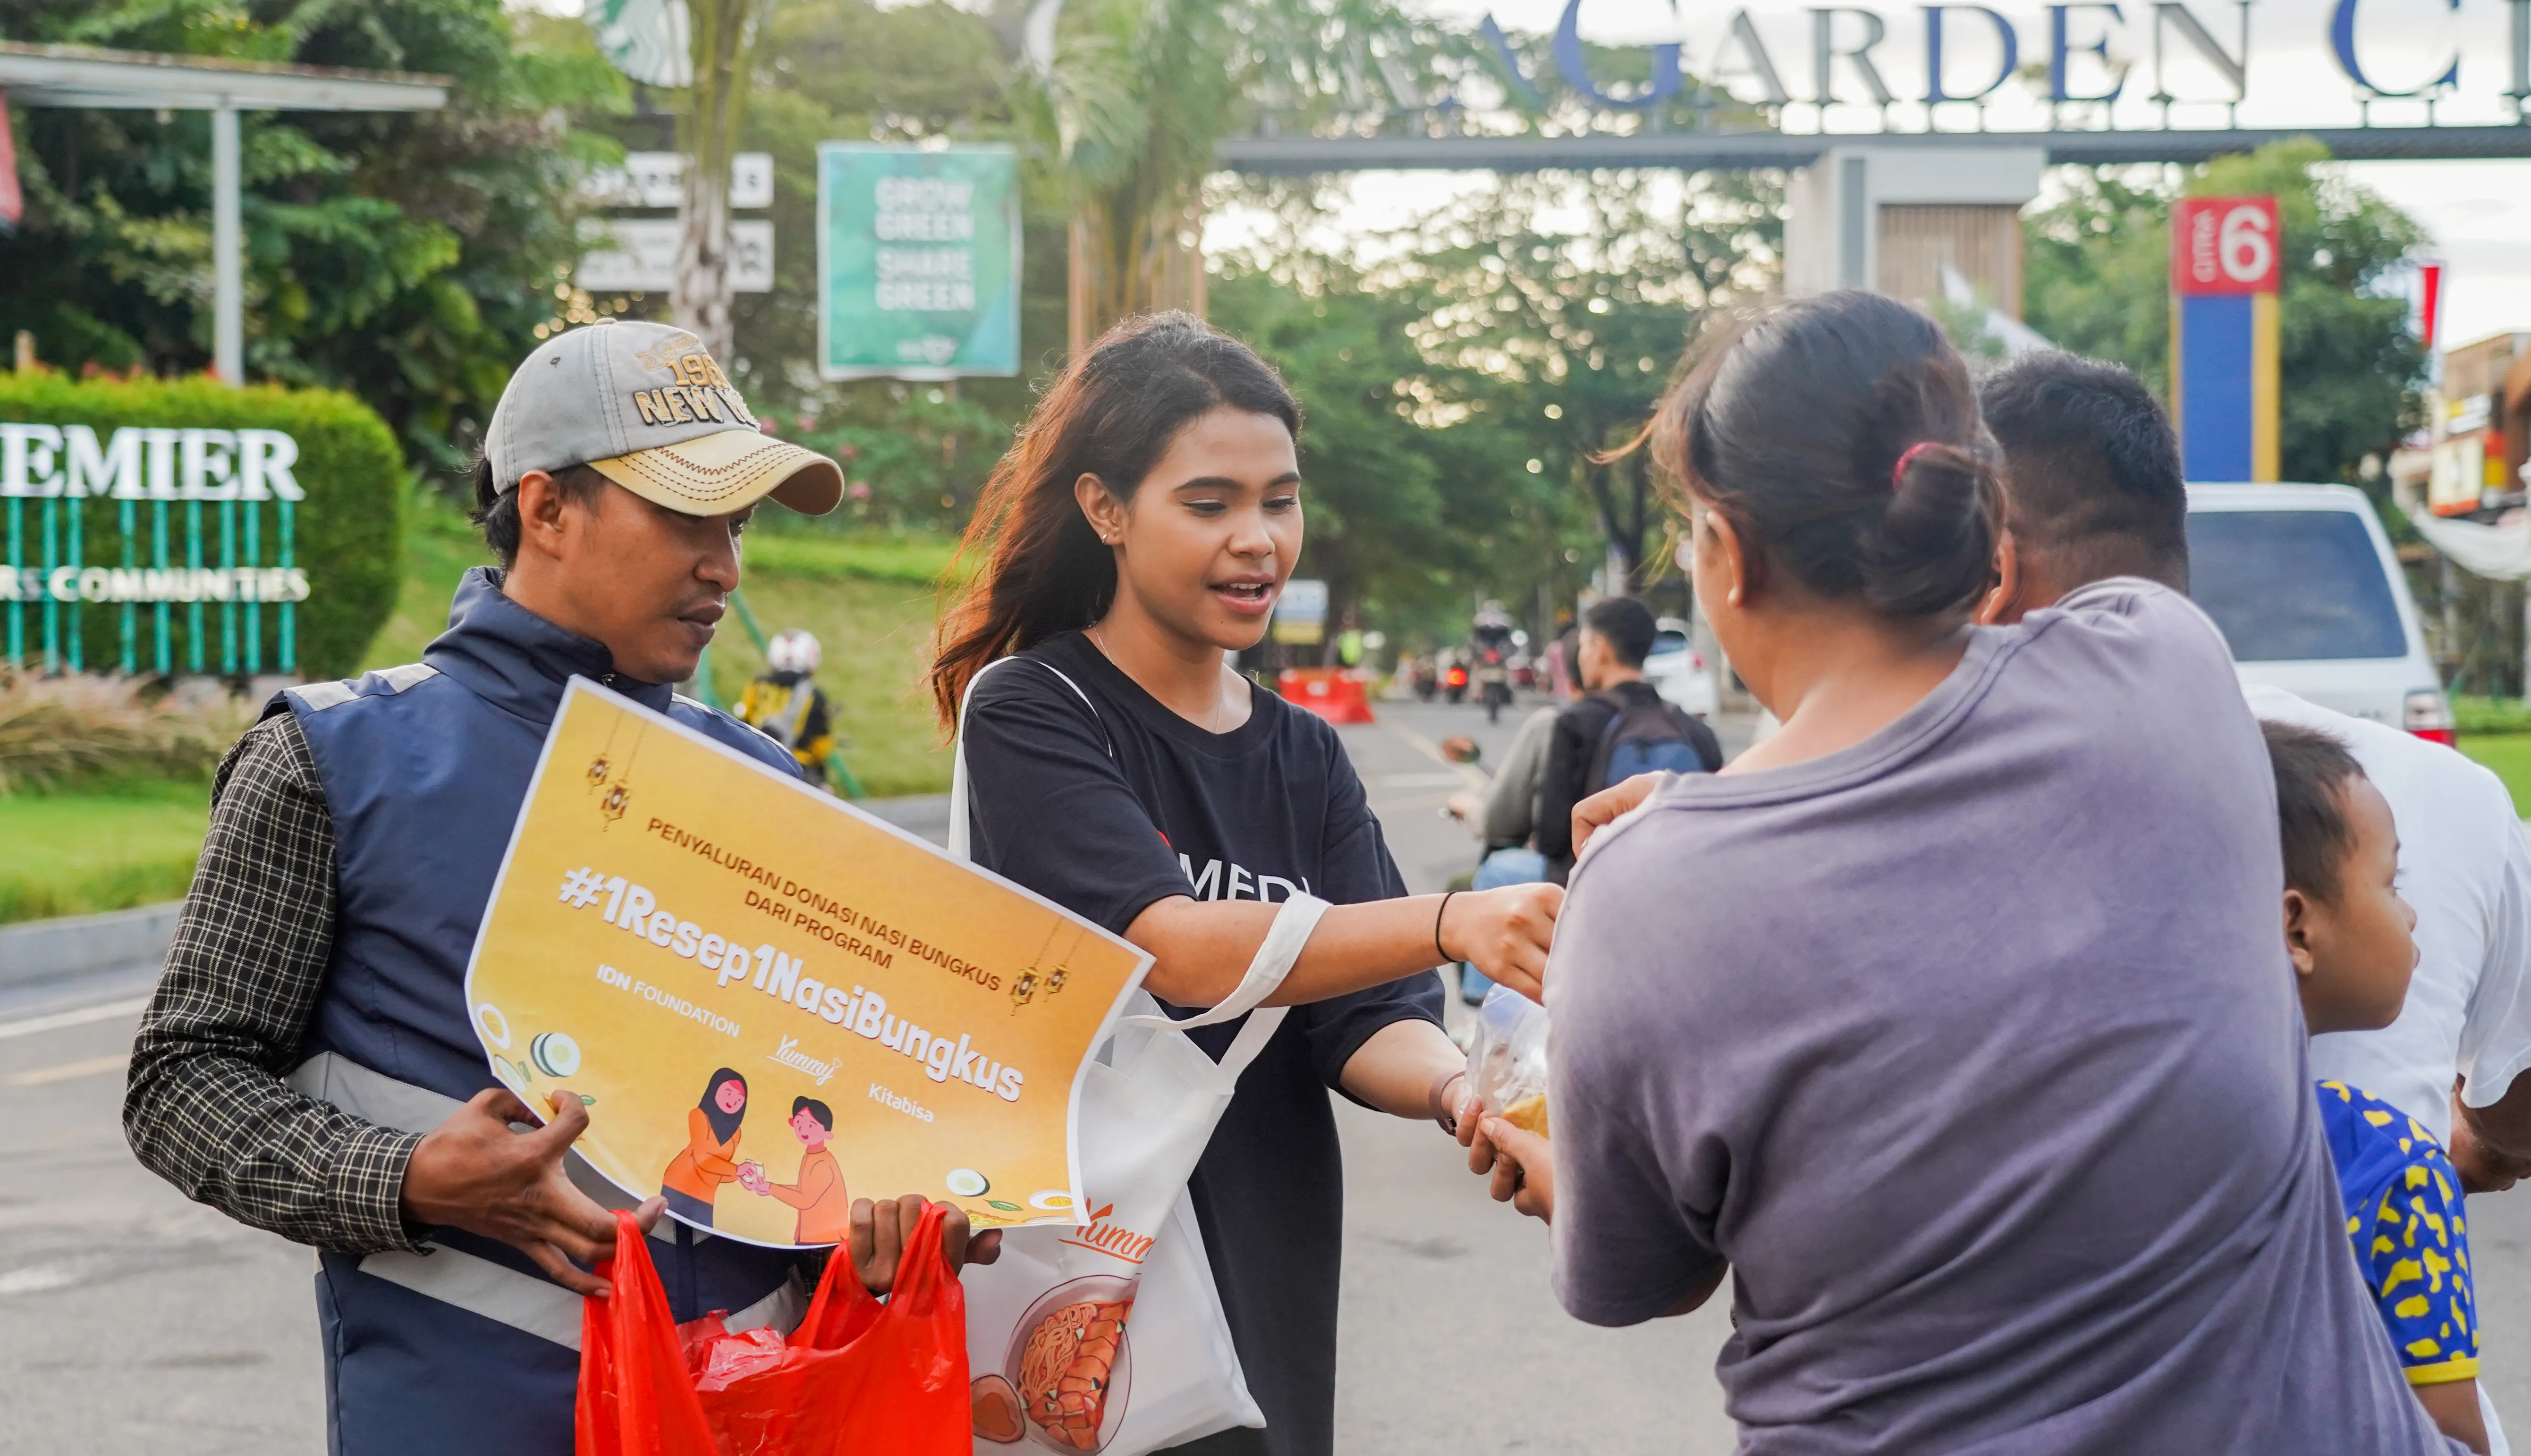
[[81, 1017], [1469, 775], [68, 1070]]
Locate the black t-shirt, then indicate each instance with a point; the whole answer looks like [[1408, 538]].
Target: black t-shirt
[[1107, 806]]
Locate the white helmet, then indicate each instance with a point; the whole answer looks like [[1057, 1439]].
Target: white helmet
[[792, 651]]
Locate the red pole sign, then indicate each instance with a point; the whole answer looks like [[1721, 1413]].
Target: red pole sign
[[2223, 246], [2430, 305]]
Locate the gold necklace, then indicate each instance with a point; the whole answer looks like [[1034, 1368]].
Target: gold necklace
[[1208, 725]]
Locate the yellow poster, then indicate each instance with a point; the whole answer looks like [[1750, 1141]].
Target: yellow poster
[[773, 1003]]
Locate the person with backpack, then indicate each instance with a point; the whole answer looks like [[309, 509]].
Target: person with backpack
[[1621, 727]]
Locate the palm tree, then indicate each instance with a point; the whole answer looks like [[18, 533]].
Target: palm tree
[[723, 35], [1128, 97]]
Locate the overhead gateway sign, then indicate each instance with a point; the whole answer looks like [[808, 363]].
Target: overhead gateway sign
[[2093, 65]]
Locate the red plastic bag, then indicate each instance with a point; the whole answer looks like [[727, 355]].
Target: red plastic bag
[[856, 1376]]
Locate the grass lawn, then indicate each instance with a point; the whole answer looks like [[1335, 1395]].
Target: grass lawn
[[112, 847], [868, 600], [439, 545], [2510, 754], [876, 637]]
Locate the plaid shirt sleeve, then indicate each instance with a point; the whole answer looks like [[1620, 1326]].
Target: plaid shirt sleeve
[[206, 1107]]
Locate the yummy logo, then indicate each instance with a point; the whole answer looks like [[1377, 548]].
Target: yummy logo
[[790, 1055], [1111, 1239]]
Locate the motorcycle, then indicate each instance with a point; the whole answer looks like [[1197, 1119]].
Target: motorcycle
[[1492, 640], [1454, 683], [1493, 684], [1427, 681]]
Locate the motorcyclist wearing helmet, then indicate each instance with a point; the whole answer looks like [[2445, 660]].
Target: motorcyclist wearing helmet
[[786, 706], [1492, 640]]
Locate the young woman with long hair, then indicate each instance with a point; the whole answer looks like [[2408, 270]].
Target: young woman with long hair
[[1135, 538], [1953, 1020]]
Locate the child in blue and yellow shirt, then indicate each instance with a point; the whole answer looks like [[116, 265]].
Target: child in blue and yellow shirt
[[2351, 938]]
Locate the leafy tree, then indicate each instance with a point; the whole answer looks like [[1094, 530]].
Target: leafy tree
[[1465, 379], [833, 69], [1126, 98], [1387, 520], [1570, 301], [2099, 271], [407, 258]]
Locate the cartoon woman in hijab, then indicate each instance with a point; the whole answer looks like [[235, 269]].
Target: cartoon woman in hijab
[[709, 1158]]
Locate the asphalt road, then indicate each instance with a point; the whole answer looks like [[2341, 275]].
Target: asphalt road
[[133, 1321], [1449, 1339]]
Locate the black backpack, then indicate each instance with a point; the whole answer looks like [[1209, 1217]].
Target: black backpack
[[1649, 738]]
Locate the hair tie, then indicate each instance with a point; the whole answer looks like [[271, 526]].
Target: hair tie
[[1906, 458]]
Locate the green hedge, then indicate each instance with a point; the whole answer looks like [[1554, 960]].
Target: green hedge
[[2475, 716], [347, 533]]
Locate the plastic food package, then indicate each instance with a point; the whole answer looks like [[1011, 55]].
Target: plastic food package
[[1507, 1060], [856, 1376]]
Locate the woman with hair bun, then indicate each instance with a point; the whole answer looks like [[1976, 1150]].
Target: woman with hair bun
[[1135, 538], [1953, 1020]]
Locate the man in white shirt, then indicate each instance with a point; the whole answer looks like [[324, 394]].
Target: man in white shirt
[[2094, 490]]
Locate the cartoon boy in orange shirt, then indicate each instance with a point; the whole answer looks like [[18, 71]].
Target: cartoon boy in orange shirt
[[825, 1210]]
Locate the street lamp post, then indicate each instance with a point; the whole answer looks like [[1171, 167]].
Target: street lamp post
[[228, 280]]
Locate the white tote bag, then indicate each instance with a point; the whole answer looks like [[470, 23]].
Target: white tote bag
[[1055, 1360]]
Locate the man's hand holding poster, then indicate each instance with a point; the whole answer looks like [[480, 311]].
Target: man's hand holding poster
[[773, 1003]]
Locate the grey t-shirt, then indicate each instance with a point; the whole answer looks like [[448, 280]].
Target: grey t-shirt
[[1972, 1051]]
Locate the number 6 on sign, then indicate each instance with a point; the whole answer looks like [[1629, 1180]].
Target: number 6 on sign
[[2242, 245], [2225, 246]]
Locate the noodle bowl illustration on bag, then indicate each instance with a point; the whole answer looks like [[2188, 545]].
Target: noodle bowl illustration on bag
[[1069, 1368]]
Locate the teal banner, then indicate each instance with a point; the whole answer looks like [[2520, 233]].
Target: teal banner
[[918, 261]]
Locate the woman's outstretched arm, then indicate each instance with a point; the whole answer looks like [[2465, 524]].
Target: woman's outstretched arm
[[1406, 1068], [1200, 948]]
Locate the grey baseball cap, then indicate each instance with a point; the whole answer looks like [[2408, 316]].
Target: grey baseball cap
[[644, 405]]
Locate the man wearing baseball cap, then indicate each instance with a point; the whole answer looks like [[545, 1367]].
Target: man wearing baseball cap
[[306, 1065]]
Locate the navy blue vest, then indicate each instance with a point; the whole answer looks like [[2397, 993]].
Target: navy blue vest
[[425, 771]]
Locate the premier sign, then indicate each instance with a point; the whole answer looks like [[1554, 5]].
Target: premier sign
[[177, 542], [146, 463]]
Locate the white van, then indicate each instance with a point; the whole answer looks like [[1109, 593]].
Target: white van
[[2303, 582], [1677, 671]]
